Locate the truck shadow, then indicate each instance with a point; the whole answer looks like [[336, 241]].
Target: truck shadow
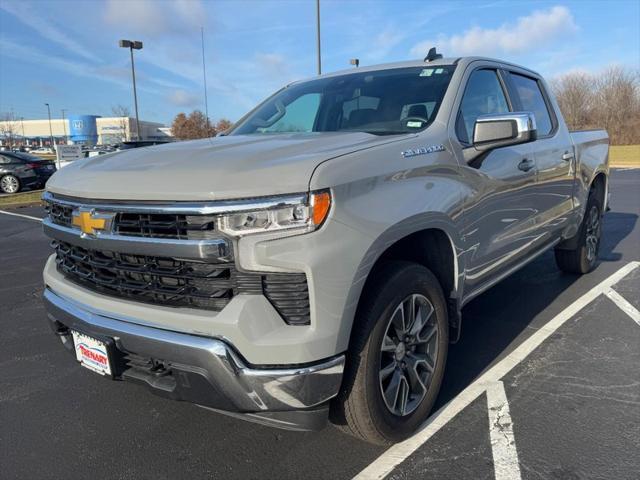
[[491, 322]]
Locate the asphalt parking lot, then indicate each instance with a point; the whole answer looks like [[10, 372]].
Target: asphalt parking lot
[[545, 383]]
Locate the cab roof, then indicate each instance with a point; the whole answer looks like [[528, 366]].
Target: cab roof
[[462, 61]]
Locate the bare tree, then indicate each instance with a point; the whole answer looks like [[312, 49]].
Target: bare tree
[[575, 95], [617, 104], [9, 125], [609, 100], [123, 113]]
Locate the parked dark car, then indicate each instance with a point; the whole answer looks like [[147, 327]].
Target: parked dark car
[[21, 170]]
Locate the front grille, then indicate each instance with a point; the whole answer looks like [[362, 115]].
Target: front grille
[[170, 281], [149, 225], [180, 283], [163, 281], [181, 227], [60, 214]]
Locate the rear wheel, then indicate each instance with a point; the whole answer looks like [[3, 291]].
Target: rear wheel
[[397, 355], [9, 184], [582, 259]]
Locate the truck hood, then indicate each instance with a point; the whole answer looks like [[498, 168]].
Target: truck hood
[[210, 169]]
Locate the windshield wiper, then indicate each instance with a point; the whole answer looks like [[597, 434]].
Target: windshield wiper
[[386, 132]]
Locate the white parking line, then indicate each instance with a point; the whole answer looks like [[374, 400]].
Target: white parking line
[[395, 455], [503, 443], [625, 306], [21, 215]]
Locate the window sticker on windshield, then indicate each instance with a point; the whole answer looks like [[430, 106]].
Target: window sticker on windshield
[[426, 72], [439, 71], [414, 124]]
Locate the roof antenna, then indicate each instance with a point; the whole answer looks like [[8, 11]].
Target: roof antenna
[[432, 55]]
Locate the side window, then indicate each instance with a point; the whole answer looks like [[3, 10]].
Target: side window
[[532, 100], [299, 117], [483, 95]]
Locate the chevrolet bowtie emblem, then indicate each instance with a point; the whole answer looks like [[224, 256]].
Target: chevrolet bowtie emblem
[[89, 222]]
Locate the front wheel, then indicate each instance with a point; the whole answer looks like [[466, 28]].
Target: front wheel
[[397, 355]]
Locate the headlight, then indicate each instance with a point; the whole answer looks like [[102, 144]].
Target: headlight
[[293, 216]]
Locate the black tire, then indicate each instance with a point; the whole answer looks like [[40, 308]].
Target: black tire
[[8, 183], [583, 258], [360, 408]]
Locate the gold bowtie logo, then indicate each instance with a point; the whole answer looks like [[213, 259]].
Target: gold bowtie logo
[[90, 222]]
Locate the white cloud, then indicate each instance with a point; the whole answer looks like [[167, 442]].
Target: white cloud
[[273, 64], [384, 42], [46, 28], [530, 32], [182, 98], [119, 76], [155, 19]]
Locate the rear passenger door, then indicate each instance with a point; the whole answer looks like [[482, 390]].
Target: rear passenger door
[[500, 206], [552, 151]]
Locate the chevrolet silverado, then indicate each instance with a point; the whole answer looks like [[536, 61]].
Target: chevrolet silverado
[[312, 263]]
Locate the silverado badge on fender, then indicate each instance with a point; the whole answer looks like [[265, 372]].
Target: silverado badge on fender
[[412, 152]]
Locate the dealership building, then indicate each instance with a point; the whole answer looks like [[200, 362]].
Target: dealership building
[[79, 129]]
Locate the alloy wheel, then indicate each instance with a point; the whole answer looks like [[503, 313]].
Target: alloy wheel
[[9, 184], [408, 355], [592, 239]]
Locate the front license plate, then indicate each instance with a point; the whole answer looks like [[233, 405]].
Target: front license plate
[[92, 353]]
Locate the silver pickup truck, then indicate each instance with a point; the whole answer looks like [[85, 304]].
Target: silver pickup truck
[[312, 264]]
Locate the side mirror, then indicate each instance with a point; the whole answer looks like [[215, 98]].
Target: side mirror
[[502, 130]]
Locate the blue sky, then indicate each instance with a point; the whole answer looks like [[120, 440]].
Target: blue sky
[[66, 52]]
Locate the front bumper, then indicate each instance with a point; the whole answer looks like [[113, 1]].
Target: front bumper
[[204, 370]]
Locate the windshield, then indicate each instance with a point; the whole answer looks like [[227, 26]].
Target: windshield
[[384, 102]]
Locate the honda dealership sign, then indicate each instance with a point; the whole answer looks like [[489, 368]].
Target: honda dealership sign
[[83, 129]]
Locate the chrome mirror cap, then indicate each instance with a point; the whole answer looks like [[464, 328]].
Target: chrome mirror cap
[[502, 130]]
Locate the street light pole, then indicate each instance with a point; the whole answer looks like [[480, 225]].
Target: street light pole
[[318, 36], [64, 125], [22, 123], [204, 75], [133, 45], [50, 129]]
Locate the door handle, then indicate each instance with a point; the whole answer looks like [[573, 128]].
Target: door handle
[[525, 165], [567, 156]]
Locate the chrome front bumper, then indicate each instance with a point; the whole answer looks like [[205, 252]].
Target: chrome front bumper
[[204, 370]]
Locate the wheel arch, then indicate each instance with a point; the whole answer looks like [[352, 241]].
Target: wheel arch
[[600, 184], [432, 245]]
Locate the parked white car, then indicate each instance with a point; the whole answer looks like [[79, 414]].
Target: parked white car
[[43, 150]]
